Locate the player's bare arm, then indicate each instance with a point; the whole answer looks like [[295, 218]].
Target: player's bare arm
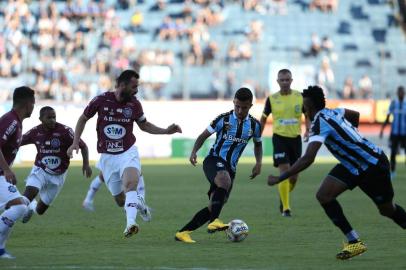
[[352, 117], [86, 169], [384, 125], [80, 126], [302, 163], [258, 158], [152, 129], [198, 143], [8, 173]]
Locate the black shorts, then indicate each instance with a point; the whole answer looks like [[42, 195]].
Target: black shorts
[[212, 165], [396, 141], [286, 150], [375, 181]]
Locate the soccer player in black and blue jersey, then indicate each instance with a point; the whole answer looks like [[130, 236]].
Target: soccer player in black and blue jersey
[[397, 137], [233, 129], [362, 164]]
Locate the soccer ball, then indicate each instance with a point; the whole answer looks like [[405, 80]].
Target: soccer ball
[[237, 230]]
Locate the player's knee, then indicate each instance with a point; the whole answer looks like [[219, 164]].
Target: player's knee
[[130, 186], [223, 181], [323, 198]]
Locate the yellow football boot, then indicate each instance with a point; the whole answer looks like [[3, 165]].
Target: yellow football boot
[[184, 237], [351, 250], [216, 225]]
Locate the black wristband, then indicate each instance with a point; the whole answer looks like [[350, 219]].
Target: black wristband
[[283, 176]]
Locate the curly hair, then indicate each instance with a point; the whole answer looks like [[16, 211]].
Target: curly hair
[[316, 94]]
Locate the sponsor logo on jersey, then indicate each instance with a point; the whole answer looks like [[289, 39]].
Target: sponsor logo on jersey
[[288, 122], [11, 128], [115, 119], [234, 139], [114, 146], [51, 162], [114, 131]]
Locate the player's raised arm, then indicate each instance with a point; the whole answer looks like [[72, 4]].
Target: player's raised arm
[[80, 126], [198, 143], [153, 129]]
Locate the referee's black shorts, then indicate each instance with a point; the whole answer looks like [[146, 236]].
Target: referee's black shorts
[[212, 165], [375, 181], [286, 150]]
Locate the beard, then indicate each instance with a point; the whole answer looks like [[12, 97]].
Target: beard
[[125, 96]]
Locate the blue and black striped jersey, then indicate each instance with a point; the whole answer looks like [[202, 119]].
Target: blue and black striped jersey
[[398, 109], [343, 140], [232, 137]]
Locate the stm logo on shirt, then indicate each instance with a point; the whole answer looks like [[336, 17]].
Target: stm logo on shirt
[[114, 131], [234, 139]]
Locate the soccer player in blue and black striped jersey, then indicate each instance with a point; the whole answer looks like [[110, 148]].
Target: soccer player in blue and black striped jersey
[[397, 138], [362, 164], [233, 129]]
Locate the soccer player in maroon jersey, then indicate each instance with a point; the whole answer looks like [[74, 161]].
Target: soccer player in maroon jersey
[[11, 200], [119, 161], [48, 174]]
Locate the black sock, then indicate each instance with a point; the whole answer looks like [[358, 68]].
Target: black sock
[[217, 202], [198, 220], [336, 215], [399, 217]]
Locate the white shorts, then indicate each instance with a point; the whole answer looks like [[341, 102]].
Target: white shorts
[[113, 166], [49, 185], [8, 192]]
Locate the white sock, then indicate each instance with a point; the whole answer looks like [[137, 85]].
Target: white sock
[[93, 188], [33, 206], [7, 220], [141, 187], [131, 200]]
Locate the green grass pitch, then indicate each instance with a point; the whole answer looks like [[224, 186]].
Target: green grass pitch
[[67, 237]]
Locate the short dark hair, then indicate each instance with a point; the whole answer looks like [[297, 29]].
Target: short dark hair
[[22, 94], [126, 76], [243, 94], [45, 109], [316, 94], [284, 71]]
